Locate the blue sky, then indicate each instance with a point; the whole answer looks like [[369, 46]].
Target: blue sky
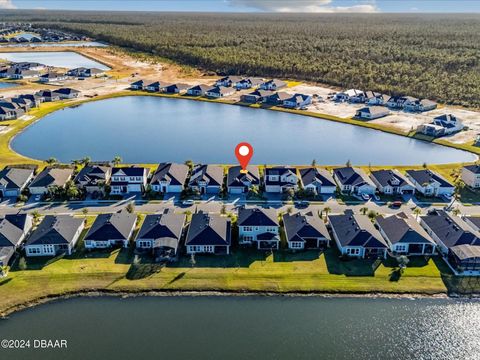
[[467, 6]]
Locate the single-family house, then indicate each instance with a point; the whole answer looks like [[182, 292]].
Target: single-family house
[[24, 103], [161, 234], [442, 125], [351, 95], [48, 95], [276, 98], [83, 72], [465, 259], [198, 90], [7, 113], [373, 98], [52, 77], [448, 230], [35, 99], [169, 178], [279, 179], [93, 178], [228, 81], [259, 227], [153, 87], [305, 231], [399, 102], [175, 88], [67, 93], [126, 180], [256, 96], [297, 101], [356, 236], [248, 83], [391, 182], [13, 180], [137, 85], [13, 230], [239, 181], [430, 183], [49, 178], [420, 105], [471, 176], [353, 181], [19, 73], [372, 112], [404, 235], [219, 92], [109, 230], [317, 181], [273, 85], [56, 234], [209, 234], [206, 179]]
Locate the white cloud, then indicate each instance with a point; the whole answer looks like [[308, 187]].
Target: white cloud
[[7, 4], [305, 6]]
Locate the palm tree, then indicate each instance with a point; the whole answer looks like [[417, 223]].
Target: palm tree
[[86, 160], [289, 210], [372, 214], [51, 161], [459, 186], [189, 163], [424, 165], [456, 211], [348, 163], [117, 160], [326, 210], [364, 210], [36, 216], [417, 212], [85, 212], [314, 162]]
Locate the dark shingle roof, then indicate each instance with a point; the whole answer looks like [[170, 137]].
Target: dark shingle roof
[[300, 226], [426, 176], [356, 230], [131, 171], [388, 178], [312, 174], [55, 230], [163, 229], [401, 228], [351, 176], [257, 217], [209, 229], [176, 174], [473, 168], [12, 228], [236, 178], [211, 173], [91, 174], [51, 177], [14, 178], [116, 226]]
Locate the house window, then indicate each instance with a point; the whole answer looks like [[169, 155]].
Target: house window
[[34, 250], [401, 248], [353, 251], [248, 228], [296, 245], [248, 238]]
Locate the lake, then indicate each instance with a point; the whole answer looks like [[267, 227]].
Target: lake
[[64, 59], [6, 85], [241, 328], [58, 44], [146, 129]]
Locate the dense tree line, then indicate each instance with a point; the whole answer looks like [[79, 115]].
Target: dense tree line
[[428, 56]]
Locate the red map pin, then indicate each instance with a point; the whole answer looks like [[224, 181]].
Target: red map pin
[[244, 152]]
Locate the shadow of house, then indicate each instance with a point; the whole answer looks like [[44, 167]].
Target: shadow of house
[[338, 265], [125, 256], [141, 270], [237, 258]]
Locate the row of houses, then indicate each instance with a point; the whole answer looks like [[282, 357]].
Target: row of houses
[[13, 108], [211, 179], [163, 235], [44, 73], [41, 34]]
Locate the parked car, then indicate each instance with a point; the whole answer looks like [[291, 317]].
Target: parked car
[[396, 204]]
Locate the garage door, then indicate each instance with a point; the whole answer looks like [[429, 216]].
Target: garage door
[[236, 190]]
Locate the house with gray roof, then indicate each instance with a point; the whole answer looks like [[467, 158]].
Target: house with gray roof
[[353, 181], [465, 260], [209, 234], [56, 234], [373, 98], [67, 93], [169, 178], [420, 105], [109, 230], [13, 230], [256, 96], [442, 125], [161, 234], [471, 176], [47, 95], [228, 81], [280, 179], [52, 77], [372, 112], [305, 231], [50, 177], [248, 83], [258, 226], [317, 181], [430, 183], [239, 182], [399, 102], [8, 113], [206, 179], [356, 236], [13, 180], [198, 90], [219, 92], [276, 98], [404, 235], [273, 85], [391, 182], [297, 101], [174, 88], [92, 178]]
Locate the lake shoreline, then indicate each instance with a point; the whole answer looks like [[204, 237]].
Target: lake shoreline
[[4, 313]]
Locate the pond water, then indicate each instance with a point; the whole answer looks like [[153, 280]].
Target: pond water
[[59, 44], [64, 59], [6, 85], [146, 129], [250, 328]]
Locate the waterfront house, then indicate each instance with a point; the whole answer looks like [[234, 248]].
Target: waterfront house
[[372, 112], [259, 227], [471, 176], [465, 259], [28, 65], [297, 101], [248, 83], [273, 85], [52, 77], [13, 180], [399, 102], [473, 222], [356, 236], [305, 231], [83, 72], [353, 181], [23, 103], [219, 92], [198, 90], [174, 88], [153, 87], [404, 235], [208, 234], [256, 96], [280, 179], [276, 98], [137, 85], [50, 178], [48, 95], [430, 183], [160, 234], [35, 99], [448, 230], [351, 95], [67, 93], [13, 230], [109, 230], [228, 81], [206, 179], [126, 180], [239, 182], [317, 181], [93, 178], [56, 234], [19, 73], [169, 178], [9, 114], [420, 105], [391, 182], [442, 125], [374, 98]]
